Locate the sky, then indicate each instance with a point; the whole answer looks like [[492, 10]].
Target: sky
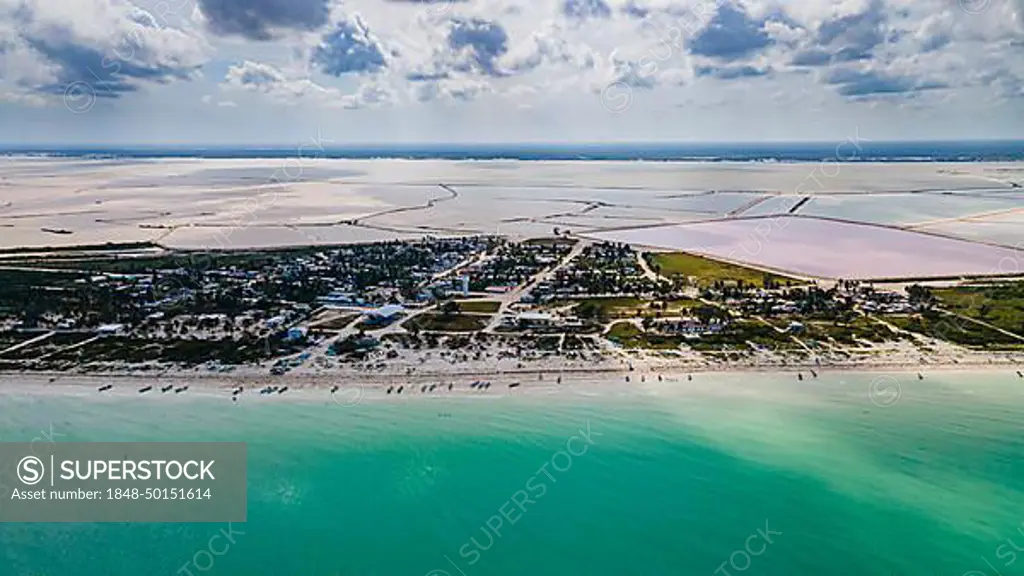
[[271, 72]]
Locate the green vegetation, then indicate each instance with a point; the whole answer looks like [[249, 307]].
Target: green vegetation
[[551, 241], [614, 308], [956, 330], [848, 333], [604, 308], [707, 272], [629, 335], [108, 247], [479, 306], [185, 352], [1001, 305], [50, 345], [737, 334], [448, 322]]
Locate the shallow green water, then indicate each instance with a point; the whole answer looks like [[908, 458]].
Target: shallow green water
[[675, 479]]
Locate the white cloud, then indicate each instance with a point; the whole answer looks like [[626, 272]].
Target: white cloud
[[107, 47]]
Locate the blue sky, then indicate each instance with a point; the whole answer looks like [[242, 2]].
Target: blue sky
[[401, 71]]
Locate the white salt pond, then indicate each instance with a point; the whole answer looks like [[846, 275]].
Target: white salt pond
[[242, 203]]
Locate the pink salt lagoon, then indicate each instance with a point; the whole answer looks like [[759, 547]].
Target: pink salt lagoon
[[823, 248]]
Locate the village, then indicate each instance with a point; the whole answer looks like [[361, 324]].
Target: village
[[477, 304]]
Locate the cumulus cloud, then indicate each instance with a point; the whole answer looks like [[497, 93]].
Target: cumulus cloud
[[847, 38], [478, 45], [730, 35], [730, 72], [452, 89], [548, 47], [294, 88], [586, 9], [868, 83], [263, 20], [461, 50], [349, 48], [103, 47]]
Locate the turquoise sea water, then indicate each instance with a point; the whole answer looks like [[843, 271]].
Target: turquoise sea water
[[762, 473]]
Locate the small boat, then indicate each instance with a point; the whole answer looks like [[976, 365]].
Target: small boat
[[689, 377], [390, 388], [105, 387], [400, 388], [167, 389], [145, 389], [433, 387], [643, 378], [514, 385], [800, 376], [180, 390], [559, 380], [282, 390], [473, 385], [423, 389], [814, 374], [920, 376], [449, 387], [659, 377], [627, 378], [335, 389], [1020, 374]]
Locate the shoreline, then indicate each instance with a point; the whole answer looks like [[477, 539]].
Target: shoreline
[[527, 379]]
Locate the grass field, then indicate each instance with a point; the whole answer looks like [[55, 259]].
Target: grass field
[[450, 323], [612, 308], [706, 272], [479, 306], [1001, 305]]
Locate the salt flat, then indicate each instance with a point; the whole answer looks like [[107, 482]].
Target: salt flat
[[217, 203], [825, 248]]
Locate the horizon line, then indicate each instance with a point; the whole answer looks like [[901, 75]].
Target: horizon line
[[400, 145]]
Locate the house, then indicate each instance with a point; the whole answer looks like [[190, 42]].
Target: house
[[535, 320], [384, 315], [110, 329], [338, 298]]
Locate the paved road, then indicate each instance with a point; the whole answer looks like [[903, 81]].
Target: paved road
[[27, 343], [512, 296]]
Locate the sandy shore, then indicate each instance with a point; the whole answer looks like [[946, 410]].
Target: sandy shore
[[353, 384]]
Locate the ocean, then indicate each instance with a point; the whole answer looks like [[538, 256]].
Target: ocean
[[866, 151], [729, 474]]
